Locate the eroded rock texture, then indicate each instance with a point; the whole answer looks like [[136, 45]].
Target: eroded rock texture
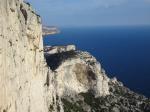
[[22, 71]]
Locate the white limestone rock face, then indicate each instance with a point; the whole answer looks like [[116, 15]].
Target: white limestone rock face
[[22, 71], [77, 72]]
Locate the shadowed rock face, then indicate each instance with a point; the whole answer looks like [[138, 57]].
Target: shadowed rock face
[[24, 12], [55, 60], [84, 74]]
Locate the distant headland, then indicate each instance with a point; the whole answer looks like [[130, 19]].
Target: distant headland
[[49, 30]]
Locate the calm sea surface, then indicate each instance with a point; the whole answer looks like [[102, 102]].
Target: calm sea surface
[[123, 52]]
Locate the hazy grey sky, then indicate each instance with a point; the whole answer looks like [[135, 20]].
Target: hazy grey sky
[[93, 12]]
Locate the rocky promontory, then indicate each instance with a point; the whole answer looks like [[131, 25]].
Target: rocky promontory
[[83, 85], [49, 30]]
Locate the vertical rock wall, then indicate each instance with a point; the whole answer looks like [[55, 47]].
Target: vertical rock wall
[[22, 71]]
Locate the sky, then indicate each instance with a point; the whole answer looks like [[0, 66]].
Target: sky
[[65, 13]]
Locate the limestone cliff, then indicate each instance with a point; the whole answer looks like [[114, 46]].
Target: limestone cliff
[[22, 71]]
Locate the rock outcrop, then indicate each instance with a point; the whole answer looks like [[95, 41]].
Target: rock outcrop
[[82, 86], [22, 64], [76, 72]]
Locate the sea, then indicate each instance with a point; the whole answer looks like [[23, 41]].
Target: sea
[[123, 51]]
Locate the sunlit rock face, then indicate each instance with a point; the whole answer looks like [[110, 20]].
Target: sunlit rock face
[[22, 71], [76, 72]]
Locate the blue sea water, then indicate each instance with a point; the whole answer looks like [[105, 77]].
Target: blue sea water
[[123, 52]]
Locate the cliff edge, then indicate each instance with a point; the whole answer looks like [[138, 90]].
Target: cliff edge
[[22, 64]]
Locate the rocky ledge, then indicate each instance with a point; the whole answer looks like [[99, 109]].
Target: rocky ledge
[[83, 85]]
